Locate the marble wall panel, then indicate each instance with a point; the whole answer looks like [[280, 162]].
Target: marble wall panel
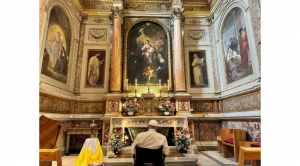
[[214, 58], [92, 107], [75, 110], [209, 130], [243, 103], [255, 11], [201, 106], [51, 104], [79, 60], [252, 127]]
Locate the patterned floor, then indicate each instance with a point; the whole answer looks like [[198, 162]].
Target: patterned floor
[[206, 158]]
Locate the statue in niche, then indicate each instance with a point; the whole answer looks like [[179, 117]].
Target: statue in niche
[[197, 70]]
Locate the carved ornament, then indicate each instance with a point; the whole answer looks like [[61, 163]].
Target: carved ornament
[[177, 13], [116, 12]]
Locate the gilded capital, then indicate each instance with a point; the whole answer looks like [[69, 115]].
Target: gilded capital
[[210, 19], [116, 12], [176, 13], [83, 17]]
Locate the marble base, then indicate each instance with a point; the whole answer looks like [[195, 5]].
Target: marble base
[[188, 160]]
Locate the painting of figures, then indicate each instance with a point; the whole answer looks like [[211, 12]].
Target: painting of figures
[[147, 55], [95, 68], [56, 55], [198, 69], [236, 47]]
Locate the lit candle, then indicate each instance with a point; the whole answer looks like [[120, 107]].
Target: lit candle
[[135, 84], [159, 84], [127, 84], [120, 106], [168, 84]]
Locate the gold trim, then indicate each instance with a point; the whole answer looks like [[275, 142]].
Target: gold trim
[[224, 63], [97, 44], [125, 49], [206, 68], [87, 56], [72, 38]]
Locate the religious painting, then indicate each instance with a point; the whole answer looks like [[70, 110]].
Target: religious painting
[[95, 66], [56, 57], [147, 56], [235, 47], [198, 69]]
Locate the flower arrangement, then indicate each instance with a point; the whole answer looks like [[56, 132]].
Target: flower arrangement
[[131, 106], [182, 140], [166, 105], [114, 142], [205, 114]]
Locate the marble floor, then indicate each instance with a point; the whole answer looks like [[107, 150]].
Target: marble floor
[[206, 158]]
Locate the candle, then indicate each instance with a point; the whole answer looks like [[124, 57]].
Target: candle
[[159, 84], [127, 84], [120, 106], [168, 84], [135, 84]]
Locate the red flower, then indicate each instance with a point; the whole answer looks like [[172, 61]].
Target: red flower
[[176, 138], [173, 107], [122, 142], [163, 105], [187, 147], [137, 107], [128, 106], [166, 99], [107, 136], [168, 104], [176, 131], [120, 132], [131, 107], [186, 133], [131, 103]]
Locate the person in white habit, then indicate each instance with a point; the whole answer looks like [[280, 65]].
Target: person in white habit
[[151, 139], [197, 70]]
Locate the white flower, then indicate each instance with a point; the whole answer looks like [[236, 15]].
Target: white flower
[[160, 106], [112, 137], [126, 137], [188, 136]]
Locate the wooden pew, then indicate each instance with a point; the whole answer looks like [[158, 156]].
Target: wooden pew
[[246, 144], [48, 135], [249, 153], [51, 155], [232, 150], [219, 142]]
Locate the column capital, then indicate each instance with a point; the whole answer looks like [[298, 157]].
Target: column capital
[[210, 19], [176, 13], [83, 17], [116, 12]]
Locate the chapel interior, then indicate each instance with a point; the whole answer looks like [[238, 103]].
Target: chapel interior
[[108, 67]]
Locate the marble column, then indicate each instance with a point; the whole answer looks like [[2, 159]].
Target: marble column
[[116, 57], [178, 56]]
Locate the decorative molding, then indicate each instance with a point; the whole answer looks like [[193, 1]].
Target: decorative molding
[[112, 105], [97, 34], [183, 105], [243, 103], [196, 8], [221, 7], [166, 21], [98, 6], [193, 2], [146, 7], [196, 35], [177, 14], [54, 104], [73, 7], [83, 18], [98, 20], [191, 21]]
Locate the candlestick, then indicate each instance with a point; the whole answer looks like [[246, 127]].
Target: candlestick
[[168, 85], [135, 93], [135, 84], [159, 84], [148, 87], [127, 84]]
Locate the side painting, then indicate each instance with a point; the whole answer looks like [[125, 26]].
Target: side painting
[[198, 69], [147, 55], [95, 68], [236, 47], [56, 55]]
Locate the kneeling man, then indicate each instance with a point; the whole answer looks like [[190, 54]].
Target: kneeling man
[[151, 139]]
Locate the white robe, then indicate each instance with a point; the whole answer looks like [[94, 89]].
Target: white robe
[[197, 70]]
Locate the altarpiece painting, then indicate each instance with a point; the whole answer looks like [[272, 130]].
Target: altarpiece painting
[[56, 57], [235, 47], [147, 56]]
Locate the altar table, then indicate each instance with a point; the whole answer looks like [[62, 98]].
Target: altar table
[[91, 153], [77, 131]]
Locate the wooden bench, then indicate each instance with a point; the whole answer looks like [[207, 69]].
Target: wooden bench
[[51, 155], [232, 150], [249, 153], [219, 142]]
